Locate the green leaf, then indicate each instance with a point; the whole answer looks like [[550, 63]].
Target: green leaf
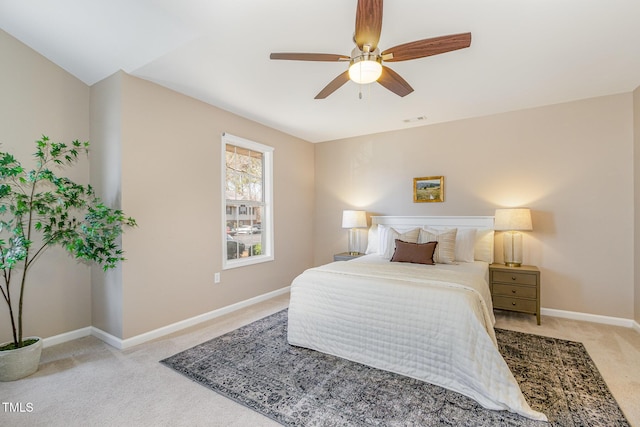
[[55, 211]]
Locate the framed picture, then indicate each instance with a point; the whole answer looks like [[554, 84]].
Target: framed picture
[[428, 189]]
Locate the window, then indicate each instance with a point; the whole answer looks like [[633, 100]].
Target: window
[[247, 180]]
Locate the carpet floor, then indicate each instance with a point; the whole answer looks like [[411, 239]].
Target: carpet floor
[[255, 366]]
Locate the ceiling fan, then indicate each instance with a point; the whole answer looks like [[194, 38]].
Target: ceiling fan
[[365, 62]]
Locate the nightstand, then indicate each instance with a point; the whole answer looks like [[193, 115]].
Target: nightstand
[[345, 256], [515, 288]]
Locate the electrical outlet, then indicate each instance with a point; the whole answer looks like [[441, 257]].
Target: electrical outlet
[[216, 278]]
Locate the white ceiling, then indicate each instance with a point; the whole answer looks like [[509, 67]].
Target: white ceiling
[[524, 53]]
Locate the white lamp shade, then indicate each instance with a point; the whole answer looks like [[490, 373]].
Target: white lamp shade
[[354, 219], [516, 219], [366, 71]]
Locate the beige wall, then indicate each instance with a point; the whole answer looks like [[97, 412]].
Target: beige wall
[[155, 154], [636, 160], [106, 135], [39, 98], [171, 184], [572, 164]]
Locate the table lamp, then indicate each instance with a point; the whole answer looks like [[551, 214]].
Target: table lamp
[[512, 221], [354, 220]]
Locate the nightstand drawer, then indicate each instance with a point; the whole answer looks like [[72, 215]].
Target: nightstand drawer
[[515, 304], [519, 291], [514, 277]]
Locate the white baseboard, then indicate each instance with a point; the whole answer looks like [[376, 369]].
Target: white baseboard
[[67, 336], [585, 317], [112, 340], [183, 324]]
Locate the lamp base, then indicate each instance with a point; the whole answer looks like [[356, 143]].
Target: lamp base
[[512, 242], [354, 241]]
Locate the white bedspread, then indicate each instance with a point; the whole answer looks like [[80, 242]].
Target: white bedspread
[[424, 322]]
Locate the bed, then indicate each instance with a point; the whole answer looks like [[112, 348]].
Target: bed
[[430, 322]]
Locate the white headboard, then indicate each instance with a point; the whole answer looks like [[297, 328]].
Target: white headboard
[[434, 221]]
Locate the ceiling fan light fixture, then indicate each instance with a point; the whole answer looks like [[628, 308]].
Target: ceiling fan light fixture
[[364, 71]]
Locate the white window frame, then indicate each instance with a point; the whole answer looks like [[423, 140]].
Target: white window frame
[[267, 220]]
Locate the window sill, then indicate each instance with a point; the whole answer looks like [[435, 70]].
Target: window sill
[[243, 262]]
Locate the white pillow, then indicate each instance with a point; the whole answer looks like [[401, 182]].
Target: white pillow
[[446, 249], [465, 244], [372, 240], [387, 239], [484, 245]]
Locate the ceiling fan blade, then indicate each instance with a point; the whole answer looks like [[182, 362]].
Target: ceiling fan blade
[[334, 85], [368, 24], [392, 81], [309, 57], [427, 47]]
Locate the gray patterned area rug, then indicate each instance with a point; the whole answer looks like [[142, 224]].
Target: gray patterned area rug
[[255, 366]]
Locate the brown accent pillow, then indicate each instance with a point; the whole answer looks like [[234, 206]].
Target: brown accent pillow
[[417, 253]]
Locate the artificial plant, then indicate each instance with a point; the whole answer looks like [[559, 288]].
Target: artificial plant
[[39, 209]]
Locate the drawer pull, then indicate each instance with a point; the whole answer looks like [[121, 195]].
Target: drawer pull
[[513, 303], [513, 291], [513, 277]]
